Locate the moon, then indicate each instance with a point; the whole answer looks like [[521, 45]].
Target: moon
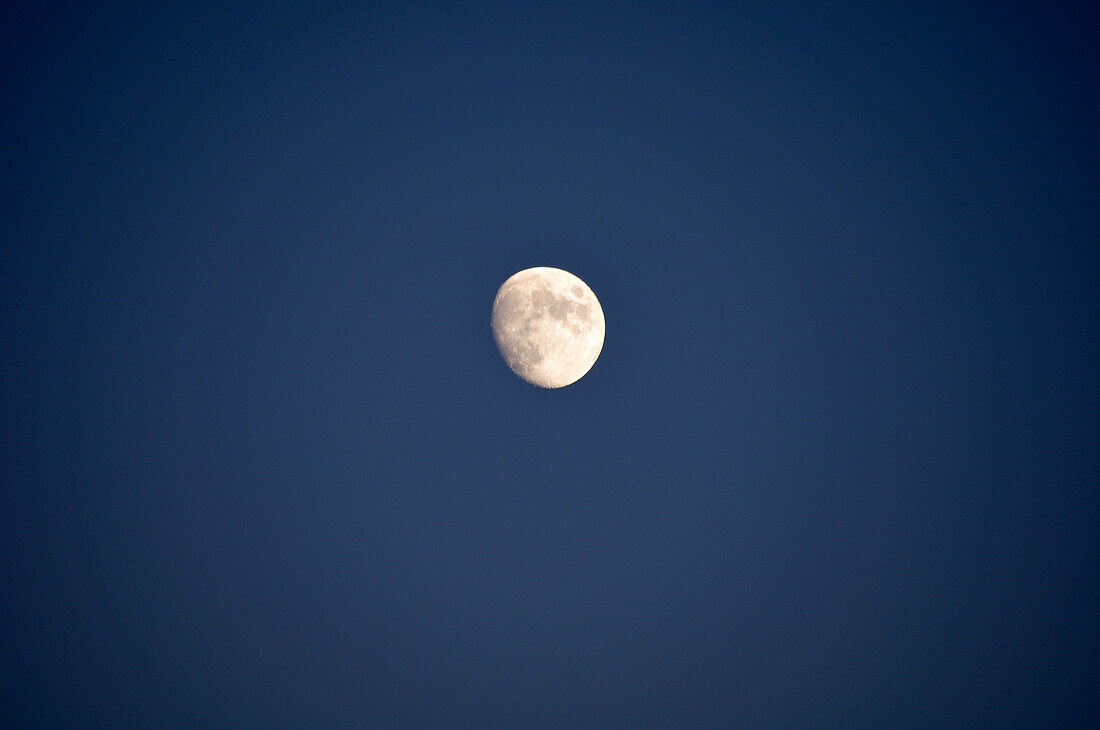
[[548, 326]]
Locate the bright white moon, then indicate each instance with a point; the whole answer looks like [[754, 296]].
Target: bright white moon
[[548, 326]]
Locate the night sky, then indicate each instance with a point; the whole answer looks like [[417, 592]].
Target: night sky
[[838, 464]]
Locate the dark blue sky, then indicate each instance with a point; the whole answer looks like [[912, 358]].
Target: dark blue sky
[[262, 465]]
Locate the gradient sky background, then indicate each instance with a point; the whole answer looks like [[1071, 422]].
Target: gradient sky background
[[837, 465]]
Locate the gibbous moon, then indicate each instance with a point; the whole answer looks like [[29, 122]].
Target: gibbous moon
[[548, 326]]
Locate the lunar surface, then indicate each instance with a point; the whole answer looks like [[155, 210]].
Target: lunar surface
[[548, 326]]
